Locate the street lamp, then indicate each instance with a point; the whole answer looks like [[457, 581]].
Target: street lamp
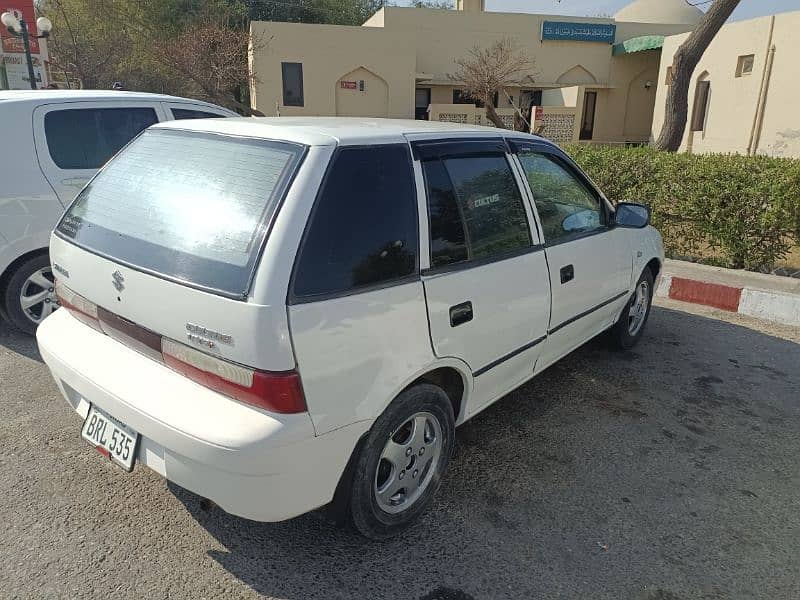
[[19, 28]]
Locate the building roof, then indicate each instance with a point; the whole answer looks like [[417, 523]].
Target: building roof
[[660, 11], [329, 131]]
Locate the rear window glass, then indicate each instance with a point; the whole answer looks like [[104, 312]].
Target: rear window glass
[[192, 206]]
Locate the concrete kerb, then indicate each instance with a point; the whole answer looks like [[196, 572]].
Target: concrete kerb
[[768, 297]]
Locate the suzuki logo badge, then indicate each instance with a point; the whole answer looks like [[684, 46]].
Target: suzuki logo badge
[[119, 280]]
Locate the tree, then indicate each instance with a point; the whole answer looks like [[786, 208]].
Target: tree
[[683, 65], [334, 12], [440, 4], [488, 71], [85, 43], [213, 60]]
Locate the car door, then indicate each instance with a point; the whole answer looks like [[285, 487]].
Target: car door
[[486, 280], [590, 262], [74, 139]]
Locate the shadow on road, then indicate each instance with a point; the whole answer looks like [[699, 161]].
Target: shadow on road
[[665, 472], [18, 342]]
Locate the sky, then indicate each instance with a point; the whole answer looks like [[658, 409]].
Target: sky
[[747, 8]]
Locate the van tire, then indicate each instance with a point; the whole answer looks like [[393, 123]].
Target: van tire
[[621, 333], [12, 309], [421, 403]]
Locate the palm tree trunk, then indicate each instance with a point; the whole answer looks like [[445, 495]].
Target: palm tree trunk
[[683, 65]]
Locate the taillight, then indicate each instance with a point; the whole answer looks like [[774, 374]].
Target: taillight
[[276, 392], [77, 305]]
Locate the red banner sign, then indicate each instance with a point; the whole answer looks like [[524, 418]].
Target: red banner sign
[[349, 85], [22, 9]]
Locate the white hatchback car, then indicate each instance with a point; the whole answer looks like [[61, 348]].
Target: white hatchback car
[[284, 313], [53, 142]]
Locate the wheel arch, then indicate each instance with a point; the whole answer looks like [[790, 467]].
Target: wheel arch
[[451, 375]]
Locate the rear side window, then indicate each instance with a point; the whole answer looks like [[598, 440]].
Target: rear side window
[[190, 113], [85, 138], [475, 209], [189, 205], [363, 229]]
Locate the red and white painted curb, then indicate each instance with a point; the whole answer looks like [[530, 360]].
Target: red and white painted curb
[[770, 305]]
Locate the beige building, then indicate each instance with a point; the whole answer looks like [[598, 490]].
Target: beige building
[[594, 79], [743, 95]]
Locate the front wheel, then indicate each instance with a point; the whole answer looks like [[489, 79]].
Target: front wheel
[[402, 461], [30, 295], [629, 329]]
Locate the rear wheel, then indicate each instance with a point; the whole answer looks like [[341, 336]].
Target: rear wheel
[[401, 463], [629, 329], [30, 296]]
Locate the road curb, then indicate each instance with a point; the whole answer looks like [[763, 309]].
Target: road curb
[[693, 285]]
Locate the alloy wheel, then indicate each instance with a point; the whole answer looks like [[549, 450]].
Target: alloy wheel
[[408, 462], [37, 296]]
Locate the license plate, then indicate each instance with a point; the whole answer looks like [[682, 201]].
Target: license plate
[[112, 438]]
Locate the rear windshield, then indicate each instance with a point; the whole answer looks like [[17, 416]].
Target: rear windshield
[[191, 206]]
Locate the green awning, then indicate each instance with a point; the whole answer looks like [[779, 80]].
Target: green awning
[[638, 44]]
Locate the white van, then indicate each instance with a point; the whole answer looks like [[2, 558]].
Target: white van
[[282, 313], [53, 141]]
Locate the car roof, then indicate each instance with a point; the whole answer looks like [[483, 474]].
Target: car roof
[[47, 96], [329, 131]]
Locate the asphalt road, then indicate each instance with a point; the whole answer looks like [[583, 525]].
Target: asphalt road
[[670, 472]]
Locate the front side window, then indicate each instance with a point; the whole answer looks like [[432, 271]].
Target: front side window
[[475, 209], [85, 138], [189, 205], [363, 229], [565, 205], [292, 75]]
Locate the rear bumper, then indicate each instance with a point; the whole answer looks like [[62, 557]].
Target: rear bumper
[[251, 463]]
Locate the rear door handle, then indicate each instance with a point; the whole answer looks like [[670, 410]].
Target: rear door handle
[[460, 314], [567, 273]]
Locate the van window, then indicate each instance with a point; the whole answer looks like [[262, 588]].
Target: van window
[[191, 113], [85, 138], [363, 229], [189, 205], [475, 209]]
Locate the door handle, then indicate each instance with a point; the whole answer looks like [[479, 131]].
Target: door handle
[[460, 314], [567, 273]]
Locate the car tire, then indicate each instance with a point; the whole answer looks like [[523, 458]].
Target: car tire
[[401, 462], [630, 327], [31, 279]]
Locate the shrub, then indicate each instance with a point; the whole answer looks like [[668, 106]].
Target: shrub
[[736, 211]]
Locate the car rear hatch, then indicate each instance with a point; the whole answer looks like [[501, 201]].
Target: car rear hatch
[[160, 249]]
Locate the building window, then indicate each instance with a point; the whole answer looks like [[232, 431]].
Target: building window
[[292, 84], [701, 96], [744, 66], [668, 78]]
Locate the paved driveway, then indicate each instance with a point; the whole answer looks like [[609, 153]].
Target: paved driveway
[[672, 471]]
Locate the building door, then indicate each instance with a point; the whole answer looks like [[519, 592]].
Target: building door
[[527, 100], [422, 100], [587, 119]]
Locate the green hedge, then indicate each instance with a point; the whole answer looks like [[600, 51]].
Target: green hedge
[[727, 209]]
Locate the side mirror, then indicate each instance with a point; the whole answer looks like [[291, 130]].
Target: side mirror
[[634, 216]]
